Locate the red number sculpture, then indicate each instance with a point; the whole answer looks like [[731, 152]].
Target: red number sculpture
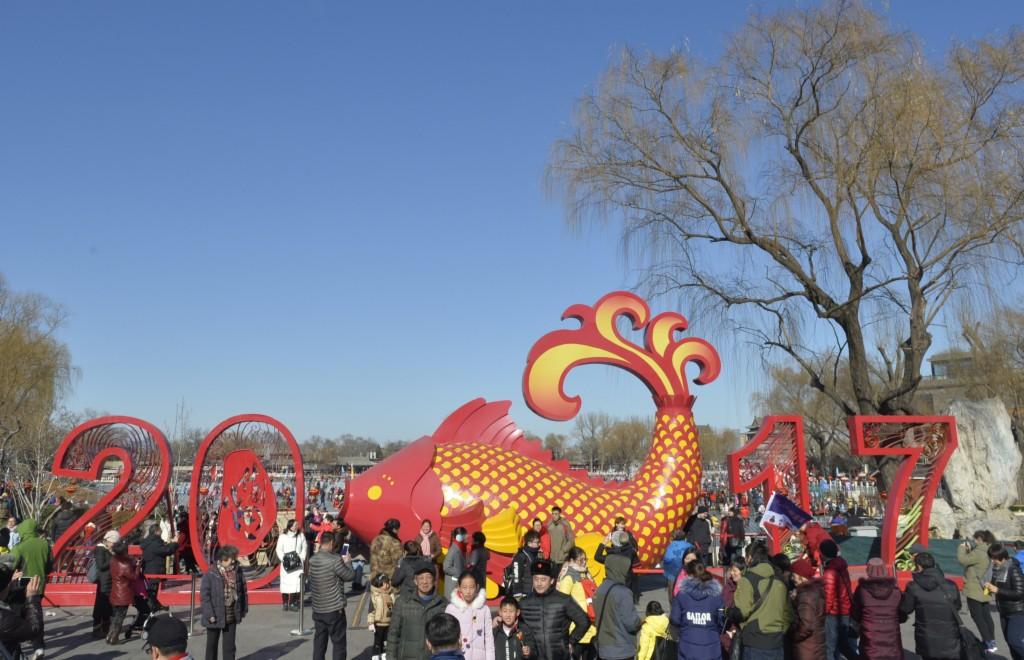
[[776, 460], [925, 443], [145, 471], [233, 500]]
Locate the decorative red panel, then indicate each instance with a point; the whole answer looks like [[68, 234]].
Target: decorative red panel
[[142, 475], [776, 460], [247, 471], [925, 443]]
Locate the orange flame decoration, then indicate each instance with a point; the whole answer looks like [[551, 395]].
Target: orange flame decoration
[[660, 364]]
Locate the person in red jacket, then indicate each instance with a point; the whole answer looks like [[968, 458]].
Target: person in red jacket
[[836, 578], [123, 573], [545, 540], [812, 536], [807, 636], [876, 605]]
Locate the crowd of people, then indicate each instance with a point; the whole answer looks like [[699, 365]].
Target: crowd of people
[[550, 607]]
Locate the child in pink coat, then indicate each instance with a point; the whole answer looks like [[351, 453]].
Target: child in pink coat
[[469, 606]]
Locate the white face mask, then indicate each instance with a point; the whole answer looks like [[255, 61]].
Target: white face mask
[[460, 537]]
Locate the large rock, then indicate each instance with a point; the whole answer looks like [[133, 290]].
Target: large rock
[[942, 518], [982, 472]]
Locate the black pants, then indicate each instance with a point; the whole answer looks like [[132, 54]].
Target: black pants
[[213, 636], [982, 618], [117, 621], [153, 588], [143, 609], [330, 625], [101, 613], [380, 636]]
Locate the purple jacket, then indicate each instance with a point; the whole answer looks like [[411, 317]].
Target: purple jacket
[[697, 613]]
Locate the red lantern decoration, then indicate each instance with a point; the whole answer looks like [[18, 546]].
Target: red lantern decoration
[[71, 489], [27, 485], [313, 492], [203, 490]]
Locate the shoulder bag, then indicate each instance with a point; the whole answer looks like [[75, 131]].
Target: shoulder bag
[[292, 562], [736, 650]]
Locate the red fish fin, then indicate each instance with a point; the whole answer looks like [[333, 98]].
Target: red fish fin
[[427, 498], [472, 518]]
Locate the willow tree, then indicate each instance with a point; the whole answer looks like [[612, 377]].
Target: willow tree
[[823, 183]]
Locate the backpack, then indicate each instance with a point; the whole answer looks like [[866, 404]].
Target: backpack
[[510, 578], [589, 589], [665, 648], [92, 575]]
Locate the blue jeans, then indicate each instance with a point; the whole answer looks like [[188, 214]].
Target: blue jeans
[[763, 654], [837, 638]]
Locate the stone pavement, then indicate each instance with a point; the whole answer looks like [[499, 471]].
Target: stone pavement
[[264, 635]]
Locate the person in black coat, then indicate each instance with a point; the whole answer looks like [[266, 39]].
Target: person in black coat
[[63, 520], [1008, 586], [548, 612], [155, 552], [934, 601], [698, 532], [102, 611], [408, 565]]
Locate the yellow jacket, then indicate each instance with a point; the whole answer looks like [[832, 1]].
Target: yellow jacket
[[655, 626], [575, 590]]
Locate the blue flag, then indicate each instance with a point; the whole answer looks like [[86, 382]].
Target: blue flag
[[784, 512]]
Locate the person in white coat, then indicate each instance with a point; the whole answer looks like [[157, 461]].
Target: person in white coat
[[292, 540], [469, 606]]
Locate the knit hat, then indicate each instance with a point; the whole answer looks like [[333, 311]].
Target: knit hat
[[877, 569], [112, 537], [803, 568]]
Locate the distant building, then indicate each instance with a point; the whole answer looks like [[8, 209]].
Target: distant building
[[945, 383]]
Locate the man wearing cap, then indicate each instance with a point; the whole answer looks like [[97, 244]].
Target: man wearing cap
[[876, 605], [167, 639], [548, 613], [406, 636], [807, 635], [698, 532]]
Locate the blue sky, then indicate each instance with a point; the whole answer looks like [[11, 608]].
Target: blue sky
[[332, 213]]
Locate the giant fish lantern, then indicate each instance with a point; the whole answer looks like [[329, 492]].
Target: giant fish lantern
[[478, 470]]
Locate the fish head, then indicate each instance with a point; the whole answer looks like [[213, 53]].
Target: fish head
[[403, 486]]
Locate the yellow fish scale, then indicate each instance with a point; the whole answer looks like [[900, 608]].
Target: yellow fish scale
[[656, 502]]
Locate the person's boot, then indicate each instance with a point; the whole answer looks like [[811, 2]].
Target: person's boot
[[284, 602]]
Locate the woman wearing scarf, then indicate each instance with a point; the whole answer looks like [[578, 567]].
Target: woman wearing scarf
[[571, 582], [225, 602], [430, 545]]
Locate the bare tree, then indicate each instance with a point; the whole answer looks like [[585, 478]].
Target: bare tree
[[822, 183], [626, 443], [789, 392], [557, 444], [590, 430]]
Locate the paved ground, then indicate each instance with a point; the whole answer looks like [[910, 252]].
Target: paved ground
[[264, 635]]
